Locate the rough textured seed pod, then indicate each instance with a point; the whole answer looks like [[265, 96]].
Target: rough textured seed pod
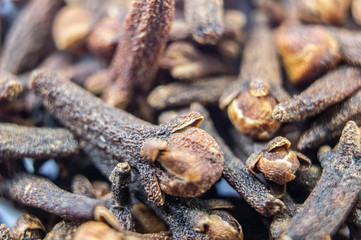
[[307, 51], [256, 124], [323, 11], [5, 233], [10, 87], [276, 162], [71, 26]]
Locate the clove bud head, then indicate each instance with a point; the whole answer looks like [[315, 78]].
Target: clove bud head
[[307, 51], [277, 162], [190, 161], [251, 113]]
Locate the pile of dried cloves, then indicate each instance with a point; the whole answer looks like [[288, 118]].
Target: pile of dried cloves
[[170, 119]]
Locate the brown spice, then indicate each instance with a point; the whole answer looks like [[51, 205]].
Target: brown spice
[[206, 91], [64, 230], [35, 26], [124, 136], [28, 227], [330, 123], [205, 18], [324, 92], [236, 173], [20, 141], [140, 47], [330, 201], [307, 51], [251, 99], [41, 193]]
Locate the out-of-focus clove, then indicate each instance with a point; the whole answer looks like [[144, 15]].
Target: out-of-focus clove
[[28, 227]]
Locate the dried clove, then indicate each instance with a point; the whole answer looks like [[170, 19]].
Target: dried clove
[[332, 198], [192, 218], [205, 18], [330, 123], [20, 141], [42, 193], [64, 230], [320, 11], [121, 202], [130, 139], [348, 40], [251, 99], [205, 91], [187, 63], [354, 220], [277, 162], [140, 47], [323, 93], [10, 87], [82, 186], [28, 227], [19, 55], [307, 51], [236, 173]]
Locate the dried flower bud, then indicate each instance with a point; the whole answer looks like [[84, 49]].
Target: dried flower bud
[[323, 11], [276, 162], [307, 51], [104, 37], [5, 233], [251, 113], [28, 227], [188, 157], [71, 26], [146, 221]]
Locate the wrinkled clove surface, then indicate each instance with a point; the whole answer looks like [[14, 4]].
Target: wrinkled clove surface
[[19, 141], [29, 36], [330, 123], [136, 141], [205, 18], [64, 230], [28, 227], [330, 201], [140, 47], [205, 91], [236, 173], [251, 99], [323, 93], [42, 193]]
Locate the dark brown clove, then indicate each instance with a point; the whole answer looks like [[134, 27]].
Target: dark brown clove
[[205, 18], [28, 227], [307, 51], [64, 230], [140, 47], [33, 25], [277, 162], [251, 99], [330, 201], [121, 202], [10, 87], [330, 123], [205, 91], [20, 141], [187, 63], [130, 139], [236, 173], [323, 93], [42, 193], [348, 40]]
